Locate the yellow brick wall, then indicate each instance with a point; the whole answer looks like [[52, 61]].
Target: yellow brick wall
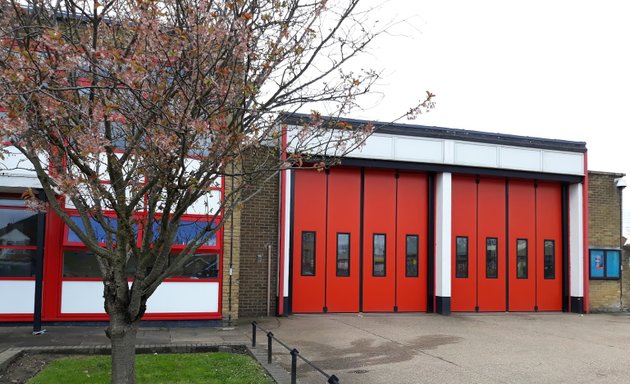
[[231, 246], [604, 223]]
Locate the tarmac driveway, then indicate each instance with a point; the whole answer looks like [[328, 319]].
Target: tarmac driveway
[[461, 348]]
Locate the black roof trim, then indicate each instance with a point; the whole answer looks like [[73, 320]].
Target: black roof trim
[[399, 129]]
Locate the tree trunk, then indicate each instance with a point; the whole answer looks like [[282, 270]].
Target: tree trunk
[[123, 338]]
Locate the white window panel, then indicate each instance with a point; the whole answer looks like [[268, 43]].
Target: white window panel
[[208, 204]]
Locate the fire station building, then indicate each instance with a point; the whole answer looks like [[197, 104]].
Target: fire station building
[[419, 219]]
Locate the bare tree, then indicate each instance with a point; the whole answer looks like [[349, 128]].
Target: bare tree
[[142, 106]]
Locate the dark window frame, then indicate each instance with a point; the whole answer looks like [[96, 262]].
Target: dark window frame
[[605, 262], [494, 275], [416, 257], [384, 255], [16, 203], [347, 273], [526, 258], [314, 263], [552, 266], [459, 261]]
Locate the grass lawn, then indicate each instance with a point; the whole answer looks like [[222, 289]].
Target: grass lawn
[[217, 368]]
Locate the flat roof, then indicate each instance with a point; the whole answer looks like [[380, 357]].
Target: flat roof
[[399, 129]]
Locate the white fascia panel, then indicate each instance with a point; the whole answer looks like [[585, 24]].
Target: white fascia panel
[[376, 147], [520, 159], [19, 182], [418, 149], [576, 240], [18, 296], [563, 162], [473, 154], [16, 164]]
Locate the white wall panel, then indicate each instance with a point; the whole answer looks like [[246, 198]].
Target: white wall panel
[[576, 240], [82, 297], [562, 162], [185, 297], [443, 202], [418, 149], [170, 297], [520, 159], [17, 296], [481, 155]]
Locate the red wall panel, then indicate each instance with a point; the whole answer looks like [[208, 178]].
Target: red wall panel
[[491, 224], [379, 218], [522, 220], [464, 217], [549, 227], [411, 292], [309, 215], [344, 205]]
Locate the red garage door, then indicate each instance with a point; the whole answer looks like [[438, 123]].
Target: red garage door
[[481, 274], [478, 250], [549, 247], [342, 270], [379, 241], [327, 259], [309, 240]]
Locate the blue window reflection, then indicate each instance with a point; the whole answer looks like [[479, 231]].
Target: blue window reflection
[[99, 231], [189, 230]]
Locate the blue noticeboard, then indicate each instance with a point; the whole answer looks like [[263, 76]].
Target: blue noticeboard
[[605, 264], [612, 264]]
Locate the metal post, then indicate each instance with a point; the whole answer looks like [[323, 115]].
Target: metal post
[[294, 355], [253, 333], [269, 342], [333, 380], [39, 270]]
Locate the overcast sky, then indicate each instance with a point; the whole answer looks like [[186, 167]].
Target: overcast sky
[[554, 69]]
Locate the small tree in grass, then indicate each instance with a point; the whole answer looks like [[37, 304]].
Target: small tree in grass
[[162, 99]]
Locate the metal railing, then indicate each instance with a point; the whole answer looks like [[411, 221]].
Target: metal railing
[[295, 354]]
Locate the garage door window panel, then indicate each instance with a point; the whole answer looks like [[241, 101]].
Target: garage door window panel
[[411, 260], [343, 254], [308, 253], [378, 255], [521, 259], [550, 259], [461, 259], [492, 258]]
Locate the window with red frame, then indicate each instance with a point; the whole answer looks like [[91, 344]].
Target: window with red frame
[[18, 238]]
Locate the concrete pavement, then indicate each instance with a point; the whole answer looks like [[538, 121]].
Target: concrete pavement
[[410, 348], [461, 348]]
